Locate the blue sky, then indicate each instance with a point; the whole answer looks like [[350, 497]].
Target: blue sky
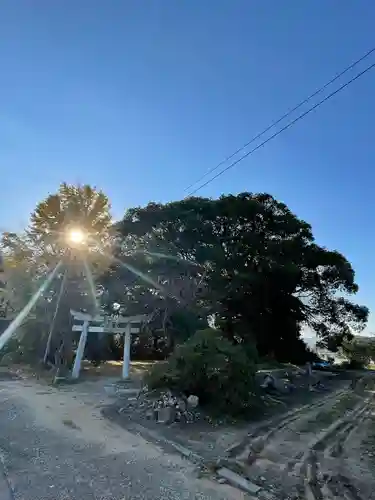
[[142, 97]]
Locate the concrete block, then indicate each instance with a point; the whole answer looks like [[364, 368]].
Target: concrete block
[[166, 415], [238, 481]]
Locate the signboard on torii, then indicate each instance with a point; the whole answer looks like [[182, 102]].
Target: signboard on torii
[[117, 325]]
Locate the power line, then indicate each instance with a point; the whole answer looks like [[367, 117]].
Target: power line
[[288, 113], [366, 70]]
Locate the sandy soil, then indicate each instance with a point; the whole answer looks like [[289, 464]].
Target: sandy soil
[[56, 444], [324, 452]]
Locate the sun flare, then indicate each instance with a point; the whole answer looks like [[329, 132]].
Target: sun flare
[[76, 236]]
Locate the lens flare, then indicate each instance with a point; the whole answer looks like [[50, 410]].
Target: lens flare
[[22, 315], [76, 236]]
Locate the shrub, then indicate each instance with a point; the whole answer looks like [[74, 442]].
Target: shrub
[[353, 365], [358, 354], [209, 366]]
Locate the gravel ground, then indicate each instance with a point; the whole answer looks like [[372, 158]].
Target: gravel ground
[[54, 444], [212, 440]]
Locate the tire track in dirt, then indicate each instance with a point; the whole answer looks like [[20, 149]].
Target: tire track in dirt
[[263, 434], [318, 485], [299, 453], [259, 440]]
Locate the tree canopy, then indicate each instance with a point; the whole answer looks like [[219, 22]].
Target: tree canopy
[[71, 208], [46, 241], [262, 274], [243, 264]]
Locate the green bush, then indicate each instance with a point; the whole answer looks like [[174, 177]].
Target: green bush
[[353, 365], [209, 366]]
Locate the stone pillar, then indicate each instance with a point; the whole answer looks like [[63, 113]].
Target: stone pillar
[[80, 350], [127, 344]]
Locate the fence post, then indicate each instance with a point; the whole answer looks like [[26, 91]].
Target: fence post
[[127, 343], [80, 350]]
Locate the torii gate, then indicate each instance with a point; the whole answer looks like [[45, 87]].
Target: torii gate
[[121, 324]]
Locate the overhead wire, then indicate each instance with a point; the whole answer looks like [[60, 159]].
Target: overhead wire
[[285, 115], [287, 126]]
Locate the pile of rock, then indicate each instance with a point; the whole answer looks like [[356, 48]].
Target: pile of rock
[[164, 407], [170, 407]]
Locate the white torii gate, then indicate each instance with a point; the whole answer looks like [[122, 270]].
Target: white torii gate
[[109, 326]]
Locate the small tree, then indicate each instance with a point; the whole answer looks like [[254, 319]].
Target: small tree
[[209, 366], [359, 353]]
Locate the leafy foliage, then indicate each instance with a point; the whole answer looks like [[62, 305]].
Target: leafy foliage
[[72, 207], [256, 268], [245, 264], [25, 273], [32, 255], [208, 365], [359, 352]]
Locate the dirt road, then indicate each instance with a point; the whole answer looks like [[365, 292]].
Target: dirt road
[[54, 444], [324, 452]]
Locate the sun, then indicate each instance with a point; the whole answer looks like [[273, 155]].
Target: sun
[[76, 236]]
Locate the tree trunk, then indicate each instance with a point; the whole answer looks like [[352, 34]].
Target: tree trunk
[[72, 298]]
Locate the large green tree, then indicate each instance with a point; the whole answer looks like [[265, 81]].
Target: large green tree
[[263, 278], [72, 208], [167, 286]]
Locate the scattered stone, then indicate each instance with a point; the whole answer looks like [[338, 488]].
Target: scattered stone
[[144, 390], [310, 475], [266, 495], [193, 401], [150, 415], [60, 380], [124, 409], [182, 405], [151, 403], [69, 423], [238, 481], [165, 415], [257, 444], [221, 462]]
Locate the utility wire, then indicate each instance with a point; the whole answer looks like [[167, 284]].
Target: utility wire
[[290, 124], [288, 113]]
